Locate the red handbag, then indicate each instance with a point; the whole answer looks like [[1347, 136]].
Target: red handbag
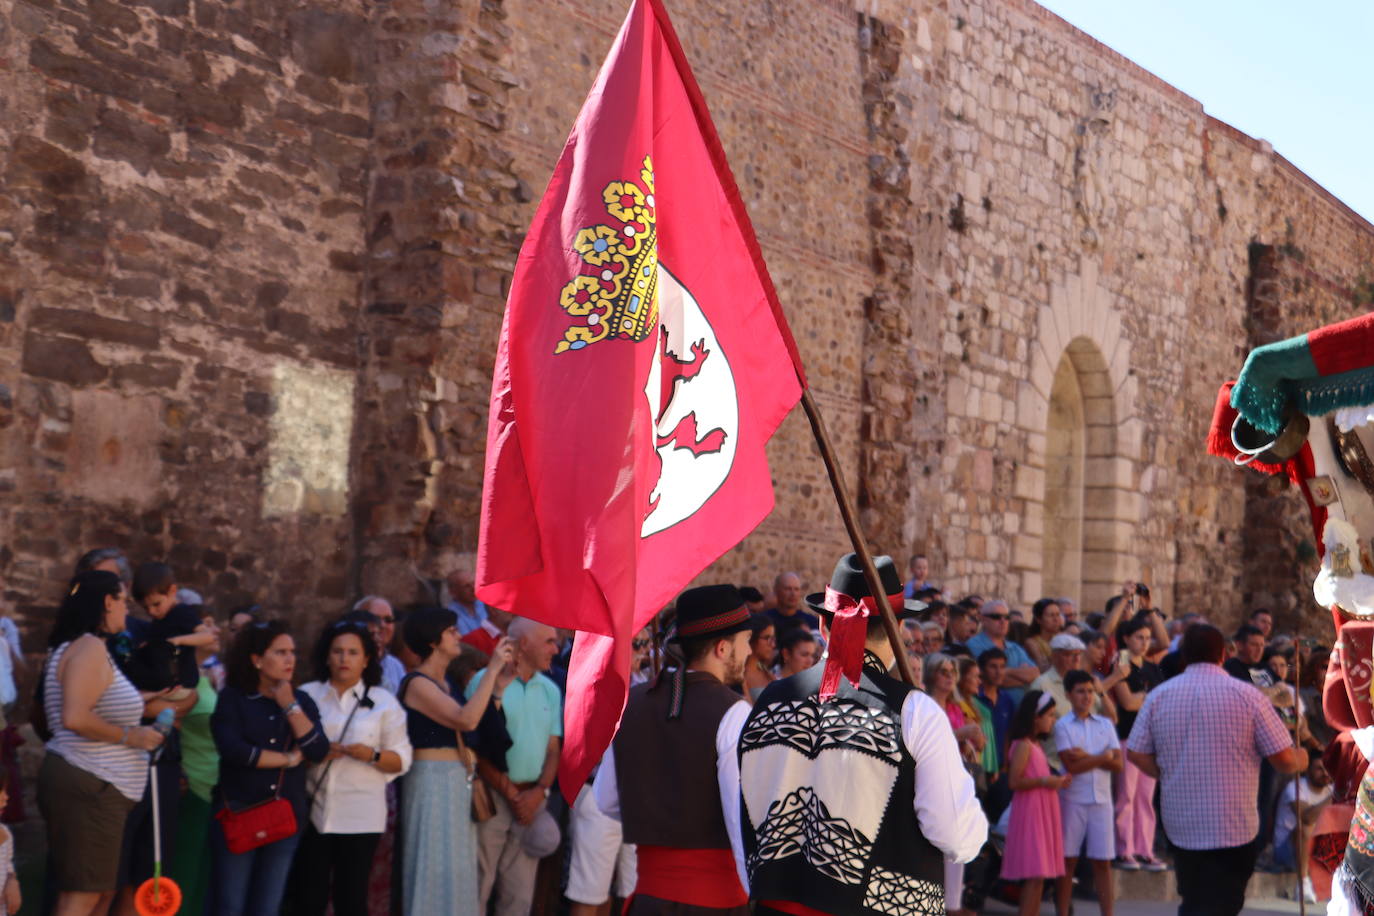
[[257, 825]]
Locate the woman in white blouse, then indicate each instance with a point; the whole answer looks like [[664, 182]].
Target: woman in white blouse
[[366, 727]]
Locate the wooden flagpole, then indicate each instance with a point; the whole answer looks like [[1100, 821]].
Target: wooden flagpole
[[856, 536]]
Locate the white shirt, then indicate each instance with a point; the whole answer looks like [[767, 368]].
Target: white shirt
[[946, 807], [352, 798], [1092, 735], [607, 792], [1287, 819]]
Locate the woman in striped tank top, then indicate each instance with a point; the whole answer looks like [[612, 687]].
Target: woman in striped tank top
[[96, 764]]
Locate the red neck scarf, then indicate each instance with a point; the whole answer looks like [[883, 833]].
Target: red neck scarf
[[848, 632]]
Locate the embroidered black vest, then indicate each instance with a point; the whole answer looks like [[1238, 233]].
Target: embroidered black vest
[[828, 790]]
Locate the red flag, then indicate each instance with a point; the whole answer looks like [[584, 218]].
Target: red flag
[[644, 362]]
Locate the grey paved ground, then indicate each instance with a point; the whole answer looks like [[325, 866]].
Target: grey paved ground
[[1139, 908]]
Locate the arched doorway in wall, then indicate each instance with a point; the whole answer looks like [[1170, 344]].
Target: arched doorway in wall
[[1087, 528], [1063, 563], [1081, 501]]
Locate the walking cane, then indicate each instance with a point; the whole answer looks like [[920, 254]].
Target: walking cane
[[1299, 847]]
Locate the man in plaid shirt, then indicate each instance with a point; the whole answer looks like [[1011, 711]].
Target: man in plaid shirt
[[1203, 734]]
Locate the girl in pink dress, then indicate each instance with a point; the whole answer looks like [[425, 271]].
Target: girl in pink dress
[[1035, 839]]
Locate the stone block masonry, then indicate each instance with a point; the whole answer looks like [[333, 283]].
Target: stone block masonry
[[182, 189], [254, 257]]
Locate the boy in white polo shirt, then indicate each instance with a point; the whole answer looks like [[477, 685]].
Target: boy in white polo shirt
[[1090, 751]]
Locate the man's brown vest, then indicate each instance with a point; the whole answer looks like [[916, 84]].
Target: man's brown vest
[[665, 768]]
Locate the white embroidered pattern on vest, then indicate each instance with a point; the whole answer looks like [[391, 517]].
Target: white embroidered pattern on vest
[[812, 727], [800, 824], [900, 895]]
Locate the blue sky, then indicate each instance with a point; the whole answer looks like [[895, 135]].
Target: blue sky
[[1296, 74]]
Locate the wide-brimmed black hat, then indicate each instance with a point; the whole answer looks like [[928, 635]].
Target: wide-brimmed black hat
[[711, 610], [848, 579]]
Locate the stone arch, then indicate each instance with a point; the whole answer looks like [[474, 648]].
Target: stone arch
[[1065, 435], [1079, 472]]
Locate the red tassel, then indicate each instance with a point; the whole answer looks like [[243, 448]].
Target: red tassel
[[845, 654], [848, 633]]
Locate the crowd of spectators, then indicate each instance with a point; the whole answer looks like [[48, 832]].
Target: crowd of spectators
[[348, 786], [1046, 698], [419, 754]]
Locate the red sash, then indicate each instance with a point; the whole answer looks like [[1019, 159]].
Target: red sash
[[787, 906], [697, 877]]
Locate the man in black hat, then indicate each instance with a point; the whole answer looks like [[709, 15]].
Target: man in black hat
[[672, 776], [854, 796]]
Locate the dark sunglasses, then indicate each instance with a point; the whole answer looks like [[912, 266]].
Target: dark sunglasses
[[996, 616], [638, 644]]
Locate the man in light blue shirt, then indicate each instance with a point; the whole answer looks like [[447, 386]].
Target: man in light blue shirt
[[1021, 669], [533, 708], [1091, 752], [463, 601]]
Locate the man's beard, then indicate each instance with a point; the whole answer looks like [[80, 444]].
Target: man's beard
[[734, 668]]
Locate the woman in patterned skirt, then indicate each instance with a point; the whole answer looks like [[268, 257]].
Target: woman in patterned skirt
[[438, 841]]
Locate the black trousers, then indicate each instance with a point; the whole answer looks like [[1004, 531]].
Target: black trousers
[[1271, 785], [340, 863], [1212, 881]]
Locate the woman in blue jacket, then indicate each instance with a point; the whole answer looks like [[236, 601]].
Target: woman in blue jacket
[[264, 730]]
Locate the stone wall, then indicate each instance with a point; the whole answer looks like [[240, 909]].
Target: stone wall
[[253, 259], [181, 195], [444, 218], [1309, 262]]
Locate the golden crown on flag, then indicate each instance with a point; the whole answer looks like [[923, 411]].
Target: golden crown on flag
[[616, 294]]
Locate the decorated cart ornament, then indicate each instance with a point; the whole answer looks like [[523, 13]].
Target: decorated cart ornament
[[1304, 407]]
